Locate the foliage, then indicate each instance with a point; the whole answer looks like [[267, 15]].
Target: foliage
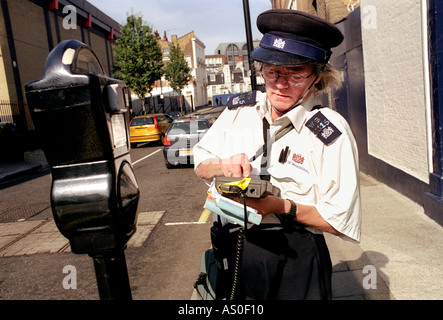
[[138, 57], [177, 71]]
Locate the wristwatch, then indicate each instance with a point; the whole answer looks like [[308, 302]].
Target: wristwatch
[[292, 211]]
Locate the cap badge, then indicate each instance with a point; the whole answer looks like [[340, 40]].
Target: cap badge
[[294, 47], [279, 43]]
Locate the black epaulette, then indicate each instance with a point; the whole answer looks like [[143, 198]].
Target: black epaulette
[[323, 128], [242, 99]]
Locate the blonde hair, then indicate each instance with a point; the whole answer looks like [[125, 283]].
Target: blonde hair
[[329, 76]]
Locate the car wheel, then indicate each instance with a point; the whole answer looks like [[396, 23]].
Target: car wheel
[[168, 165], [133, 145]]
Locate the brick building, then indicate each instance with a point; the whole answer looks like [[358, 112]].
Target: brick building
[[194, 52], [331, 10], [30, 29]]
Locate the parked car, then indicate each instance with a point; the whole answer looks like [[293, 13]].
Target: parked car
[[181, 137], [149, 127], [174, 114]]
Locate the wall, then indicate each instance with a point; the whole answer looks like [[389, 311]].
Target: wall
[[349, 99], [395, 86]]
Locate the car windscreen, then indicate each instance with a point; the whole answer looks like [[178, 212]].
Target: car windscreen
[[142, 121], [189, 127]]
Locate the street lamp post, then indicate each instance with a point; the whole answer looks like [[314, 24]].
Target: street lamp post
[[249, 42]]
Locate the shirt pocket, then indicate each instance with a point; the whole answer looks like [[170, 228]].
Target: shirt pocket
[[293, 176]]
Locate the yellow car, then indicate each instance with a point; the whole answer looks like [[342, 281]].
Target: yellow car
[[149, 127]]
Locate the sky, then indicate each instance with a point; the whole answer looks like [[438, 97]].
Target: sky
[[213, 21]]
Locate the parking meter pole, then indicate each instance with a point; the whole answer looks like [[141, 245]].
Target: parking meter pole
[[112, 277]]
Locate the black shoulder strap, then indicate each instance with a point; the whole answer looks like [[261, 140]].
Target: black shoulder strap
[[264, 175], [242, 99]]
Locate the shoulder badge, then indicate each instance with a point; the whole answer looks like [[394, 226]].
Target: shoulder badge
[[242, 99], [323, 128]]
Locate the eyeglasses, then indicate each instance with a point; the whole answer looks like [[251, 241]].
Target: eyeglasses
[[293, 79]]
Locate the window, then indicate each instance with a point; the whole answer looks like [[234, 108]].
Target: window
[[165, 53], [232, 49], [142, 121], [189, 127], [163, 119]]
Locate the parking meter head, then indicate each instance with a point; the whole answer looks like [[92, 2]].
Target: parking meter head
[[65, 104], [81, 117]]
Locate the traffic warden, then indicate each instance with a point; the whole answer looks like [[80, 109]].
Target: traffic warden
[[308, 151]]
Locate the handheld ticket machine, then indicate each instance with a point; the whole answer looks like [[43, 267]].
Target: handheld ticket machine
[[81, 117]]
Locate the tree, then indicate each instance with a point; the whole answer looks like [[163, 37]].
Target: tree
[[177, 71], [138, 57]]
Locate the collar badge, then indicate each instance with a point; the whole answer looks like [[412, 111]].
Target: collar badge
[[297, 158]]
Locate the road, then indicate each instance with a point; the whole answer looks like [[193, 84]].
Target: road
[[168, 264], [164, 267]]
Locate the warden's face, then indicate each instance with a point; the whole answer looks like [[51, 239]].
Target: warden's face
[[285, 86]]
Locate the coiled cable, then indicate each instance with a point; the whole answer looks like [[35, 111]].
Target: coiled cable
[[239, 249]]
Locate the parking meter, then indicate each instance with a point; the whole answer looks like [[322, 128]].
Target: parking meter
[[81, 117]]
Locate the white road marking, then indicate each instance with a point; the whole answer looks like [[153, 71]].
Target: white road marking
[[183, 223], [145, 157]]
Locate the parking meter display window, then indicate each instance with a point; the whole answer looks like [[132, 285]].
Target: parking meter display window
[[117, 97], [86, 62]]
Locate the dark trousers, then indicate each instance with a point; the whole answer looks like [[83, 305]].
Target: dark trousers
[[289, 264]]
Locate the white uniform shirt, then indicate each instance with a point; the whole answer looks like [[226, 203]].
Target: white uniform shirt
[[314, 173]]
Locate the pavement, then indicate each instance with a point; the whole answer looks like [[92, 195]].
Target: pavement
[[398, 258]]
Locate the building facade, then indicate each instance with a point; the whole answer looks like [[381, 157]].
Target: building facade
[[228, 71], [331, 10], [29, 30], [194, 93], [403, 96]]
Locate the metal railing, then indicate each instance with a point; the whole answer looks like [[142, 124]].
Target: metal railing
[[16, 112]]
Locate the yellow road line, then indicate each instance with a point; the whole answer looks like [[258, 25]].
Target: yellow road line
[[204, 216], [202, 220]]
